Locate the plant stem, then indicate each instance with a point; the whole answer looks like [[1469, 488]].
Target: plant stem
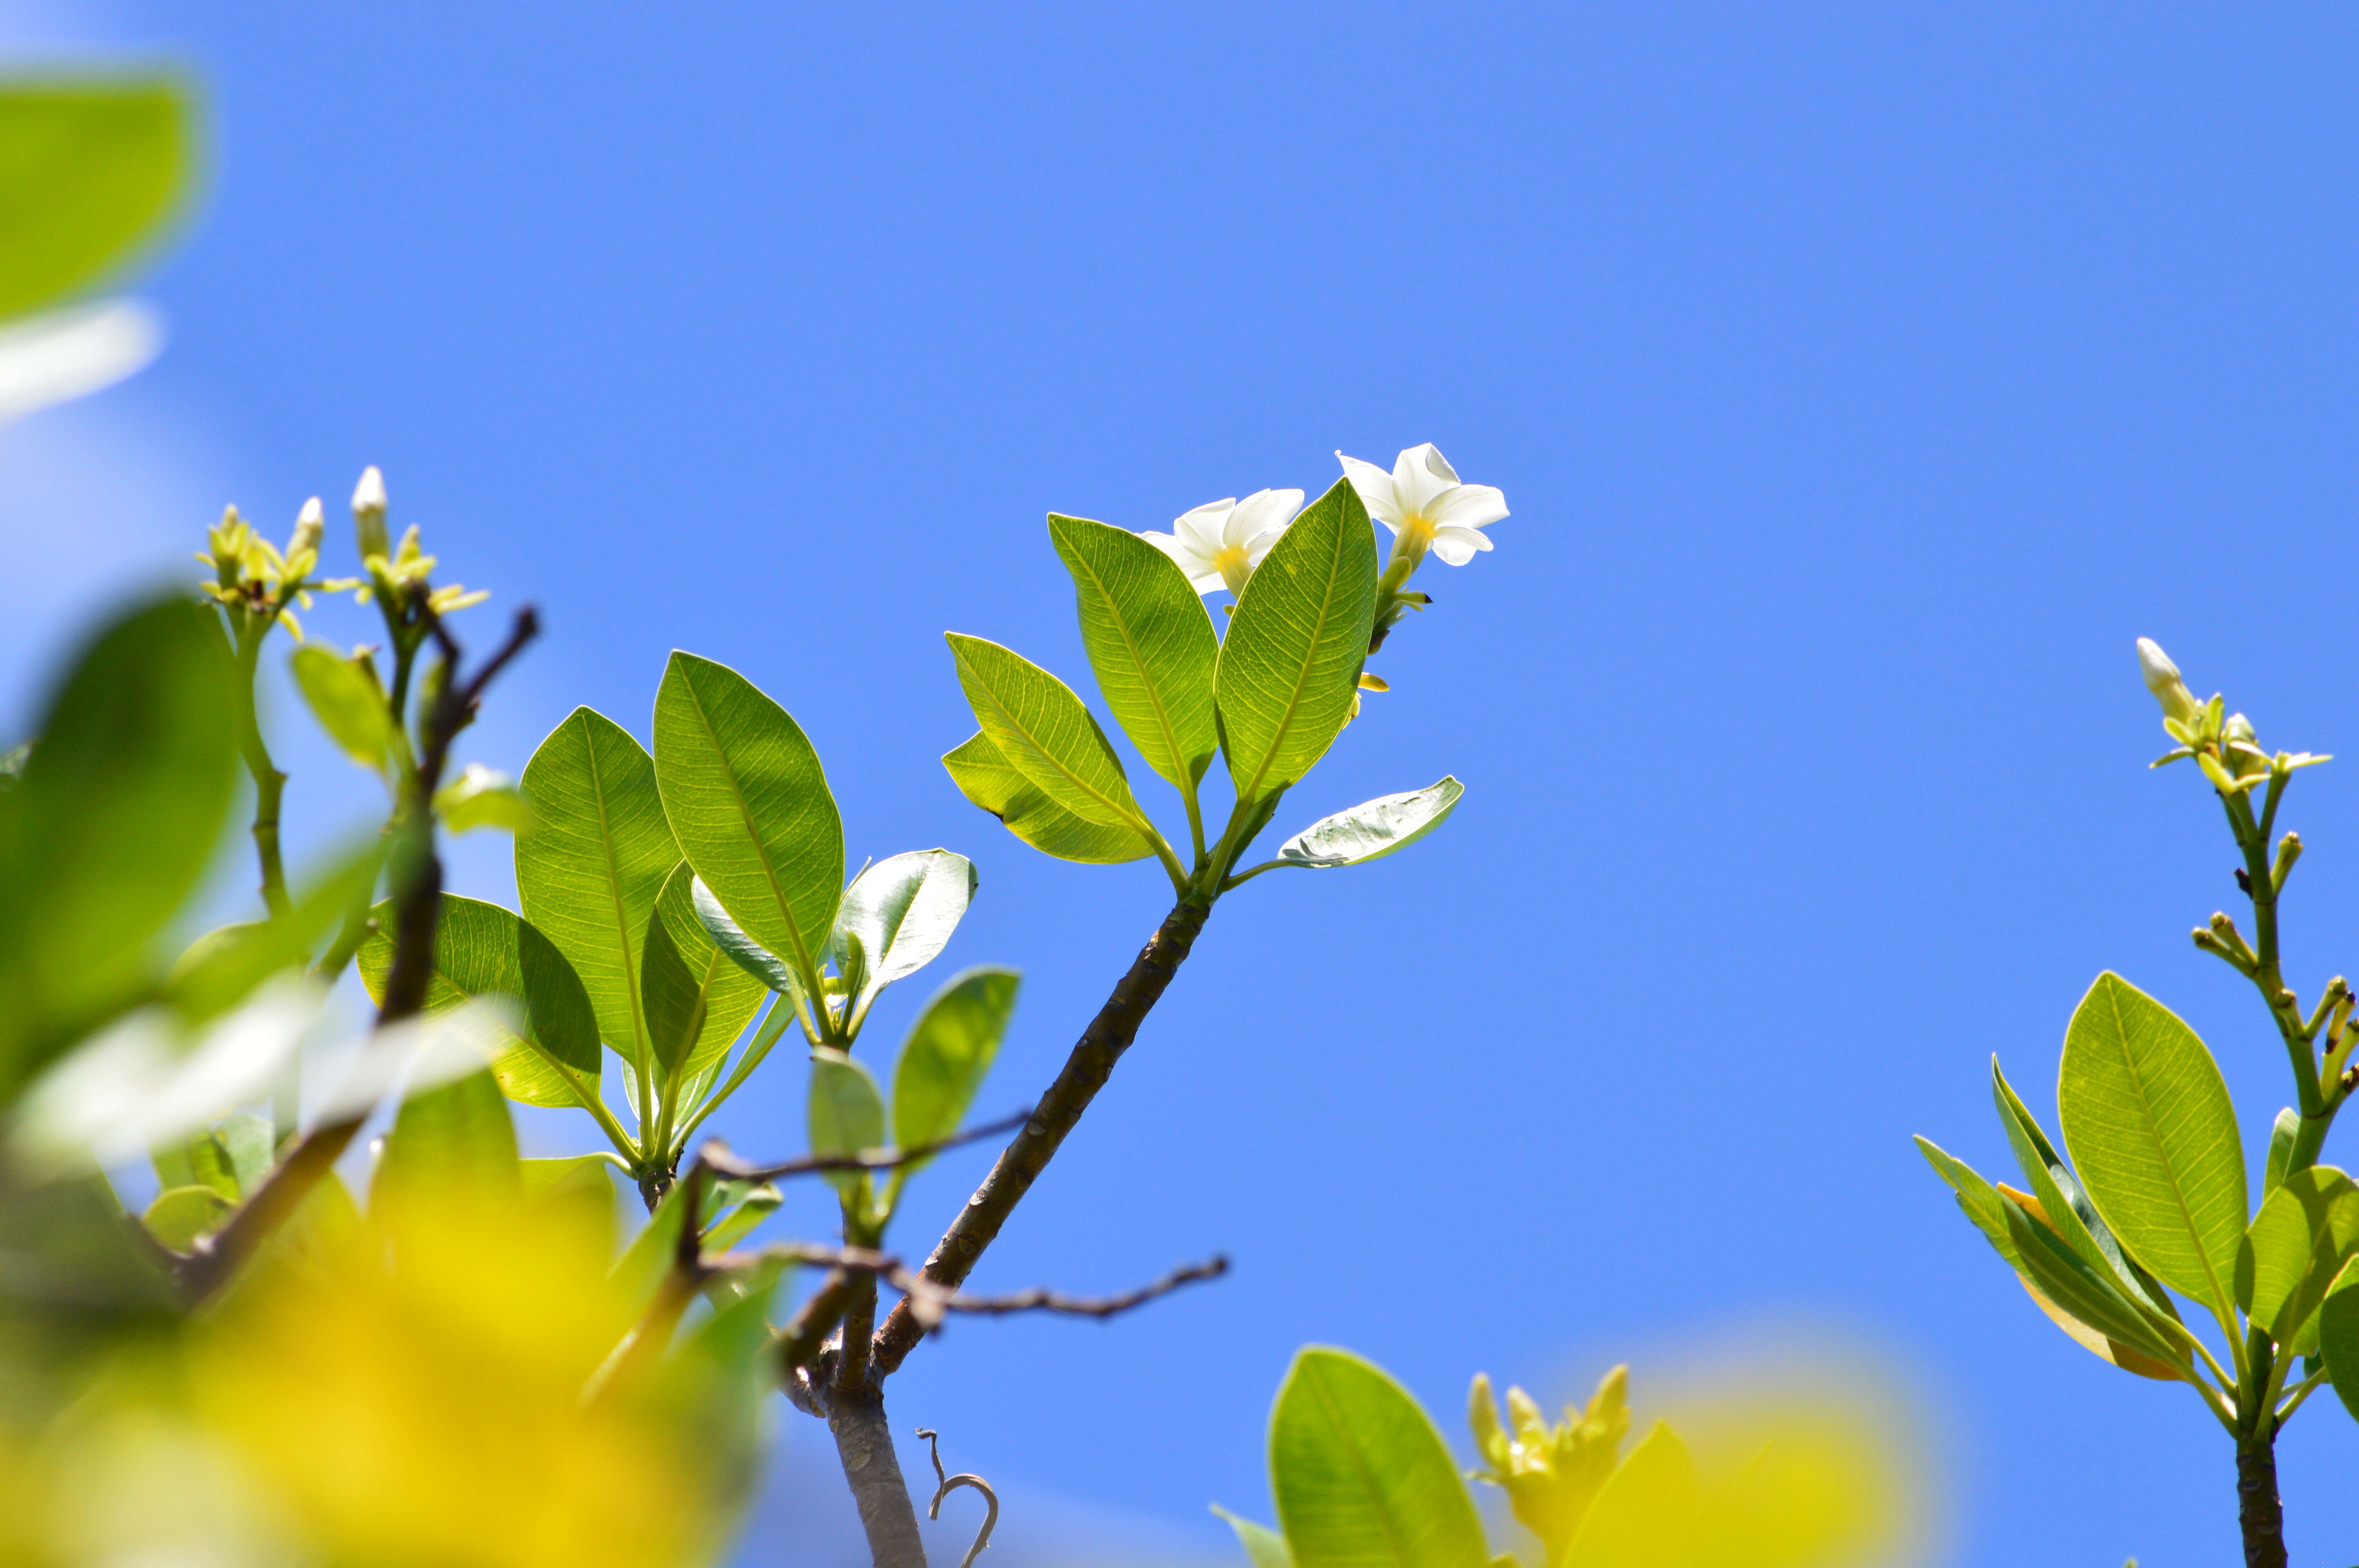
[[269, 783], [1110, 1033], [2259, 1514], [864, 1444], [2285, 1007]]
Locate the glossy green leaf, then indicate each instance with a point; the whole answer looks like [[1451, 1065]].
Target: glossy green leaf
[[1290, 665], [674, 1002], [1264, 1548], [2294, 1247], [456, 1137], [2154, 1137], [482, 797], [1375, 828], [89, 172], [2338, 1335], [847, 1114], [2282, 1133], [727, 995], [900, 914], [483, 952], [345, 699], [948, 1052], [1044, 733], [1647, 1513], [1150, 644], [180, 1214], [589, 873], [2066, 1208], [111, 825], [2060, 1278], [988, 780], [1977, 1197], [1361, 1478], [749, 804], [750, 956]]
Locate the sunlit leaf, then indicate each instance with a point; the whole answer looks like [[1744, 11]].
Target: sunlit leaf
[[89, 172], [989, 781], [1149, 640], [1375, 828], [1361, 1477]]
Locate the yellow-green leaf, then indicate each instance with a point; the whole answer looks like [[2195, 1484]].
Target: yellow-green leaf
[[89, 172], [1150, 644], [989, 781]]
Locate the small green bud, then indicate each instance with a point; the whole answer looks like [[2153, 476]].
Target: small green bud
[[2163, 679], [368, 514], [1482, 1416]]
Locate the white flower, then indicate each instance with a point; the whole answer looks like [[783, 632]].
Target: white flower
[[2163, 679], [1425, 507], [1219, 543]]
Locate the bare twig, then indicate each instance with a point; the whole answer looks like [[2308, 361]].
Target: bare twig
[[963, 1478], [1085, 1072], [715, 1155], [1042, 1299]]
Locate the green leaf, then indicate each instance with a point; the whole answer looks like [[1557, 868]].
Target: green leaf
[[847, 1114], [454, 1139], [2154, 1137], [221, 968], [343, 697], [2065, 1208], [1150, 644], [589, 873], [2282, 1133], [1647, 1512], [2338, 1335], [749, 804], [1290, 665], [485, 952], [482, 797], [757, 960], [180, 1214], [1978, 1199], [989, 781], [1361, 1475], [230, 1159], [1264, 1548], [245, 1138], [89, 171], [736, 1223], [2084, 1302], [112, 825], [943, 1062], [900, 912], [1045, 733], [1374, 829], [675, 999], [592, 1175], [727, 996], [2294, 1247]]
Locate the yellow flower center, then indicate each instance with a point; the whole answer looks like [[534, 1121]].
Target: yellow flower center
[[1234, 565]]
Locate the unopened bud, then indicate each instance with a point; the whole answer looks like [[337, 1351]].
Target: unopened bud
[[2163, 679], [368, 512], [310, 526]]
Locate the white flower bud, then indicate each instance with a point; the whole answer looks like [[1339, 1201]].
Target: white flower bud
[[310, 526], [2163, 679], [368, 512]]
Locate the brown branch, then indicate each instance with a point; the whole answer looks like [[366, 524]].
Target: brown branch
[[1042, 1299], [419, 899], [715, 1155], [1101, 1045]]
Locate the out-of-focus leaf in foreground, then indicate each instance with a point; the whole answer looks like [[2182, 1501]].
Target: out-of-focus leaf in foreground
[[89, 172]]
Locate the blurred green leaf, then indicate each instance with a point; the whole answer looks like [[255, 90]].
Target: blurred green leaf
[[457, 1138], [220, 970], [483, 797], [1647, 1513], [589, 873], [735, 1224], [180, 1214], [2295, 1247], [89, 172], [2153, 1136], [847, 1114], [901, 910], [345, 699], [117, 816], [988, 780], [1361, 1475], [483, 952], [590, 1172], [1264, 1548], [1045, 733], [727, 995], [1150, 644], [1290, 665], [749, 804], [943, 1063], [1375, 828]]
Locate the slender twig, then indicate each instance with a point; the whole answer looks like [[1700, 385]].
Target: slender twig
[[715, 1157], [1042, 1299], [1019, 1164], [963, 1478]]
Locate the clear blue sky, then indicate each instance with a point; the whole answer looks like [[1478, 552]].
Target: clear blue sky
[[1862, 379]]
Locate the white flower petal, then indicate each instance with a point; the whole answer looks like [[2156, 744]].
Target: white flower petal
[[1201, 527], [1375, 488], [1467, 506], [1263, 512], [1200, 577], [1456, 547], [1415, 479]]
